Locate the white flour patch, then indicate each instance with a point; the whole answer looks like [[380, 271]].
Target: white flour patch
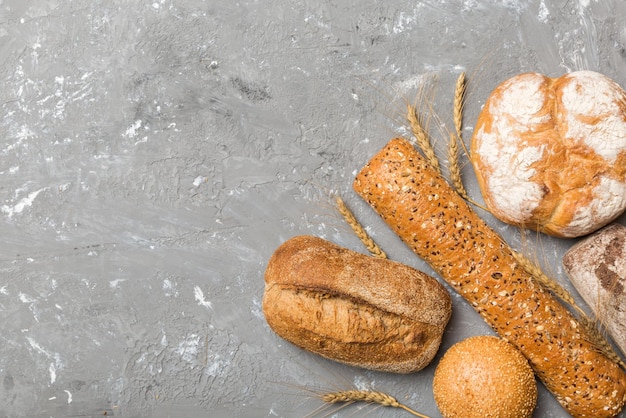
[[523, 101], [516, 111], [610, 199], [24, 298], [513, 178], [53, 373], [361, 383], [21, 204], [515, 5], [217, 365], [115, 284], [199, 296], [188, 348], [199, 180], [21, 135], [132, 131], [257, 309], [405, 21], [38, 347], [56, 364], [64, 187], [411, 84], [470, 4], [59, 108], [592, 94], [169, 288], [543, 13]]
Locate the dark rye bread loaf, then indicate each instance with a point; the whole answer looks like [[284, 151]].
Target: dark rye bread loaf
[[352, 308], [596, 266]]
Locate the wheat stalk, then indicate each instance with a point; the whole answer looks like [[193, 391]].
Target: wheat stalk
[[599, 340], [457, 110], [423, 141], [358, 229], [459, 95], [454, 169], [380, 398], [453, 148], [535, 271], [546, 282]]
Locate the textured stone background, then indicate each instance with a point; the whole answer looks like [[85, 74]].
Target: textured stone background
[[154, 154]]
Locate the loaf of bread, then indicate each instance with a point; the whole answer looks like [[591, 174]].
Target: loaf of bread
[[550, 153], [352, 308], [484, 377], [596, 266], [440, 227]]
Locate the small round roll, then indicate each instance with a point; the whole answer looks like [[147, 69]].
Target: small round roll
[[484, 377], [550, 153]]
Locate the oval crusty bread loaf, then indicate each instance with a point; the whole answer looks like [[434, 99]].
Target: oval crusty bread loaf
[[550, 153], [352, 308], [441, 227]]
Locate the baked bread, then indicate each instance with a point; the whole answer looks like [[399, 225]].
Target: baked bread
[[596, 266], [550, 153], [352, 308], [482, 377], [421, 207]]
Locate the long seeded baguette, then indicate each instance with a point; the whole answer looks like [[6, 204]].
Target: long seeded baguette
[[440, 227]]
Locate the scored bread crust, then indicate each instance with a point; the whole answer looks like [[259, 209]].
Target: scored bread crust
[[550, 153], [440, 227], [352, 308]]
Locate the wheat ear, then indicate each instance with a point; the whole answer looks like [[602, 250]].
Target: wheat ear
[[455, 173], [457, 110], [454, 169], [459, 96], [358, 229], [423, 141], [380, 398], [453, 148], [597, 338], [546, 282]]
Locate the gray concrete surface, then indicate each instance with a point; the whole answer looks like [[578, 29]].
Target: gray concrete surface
[[154, 154]]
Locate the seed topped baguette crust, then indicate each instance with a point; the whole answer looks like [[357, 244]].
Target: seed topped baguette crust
[[441, 227]]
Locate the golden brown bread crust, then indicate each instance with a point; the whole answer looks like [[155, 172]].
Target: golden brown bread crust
[[439, 226], [465, 384], [550, 153], [359, 310]]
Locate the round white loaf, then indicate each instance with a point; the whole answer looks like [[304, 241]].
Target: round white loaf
[[550, 153]]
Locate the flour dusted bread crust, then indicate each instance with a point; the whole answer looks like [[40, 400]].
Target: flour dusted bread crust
[[352, 308], [550, 153]]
